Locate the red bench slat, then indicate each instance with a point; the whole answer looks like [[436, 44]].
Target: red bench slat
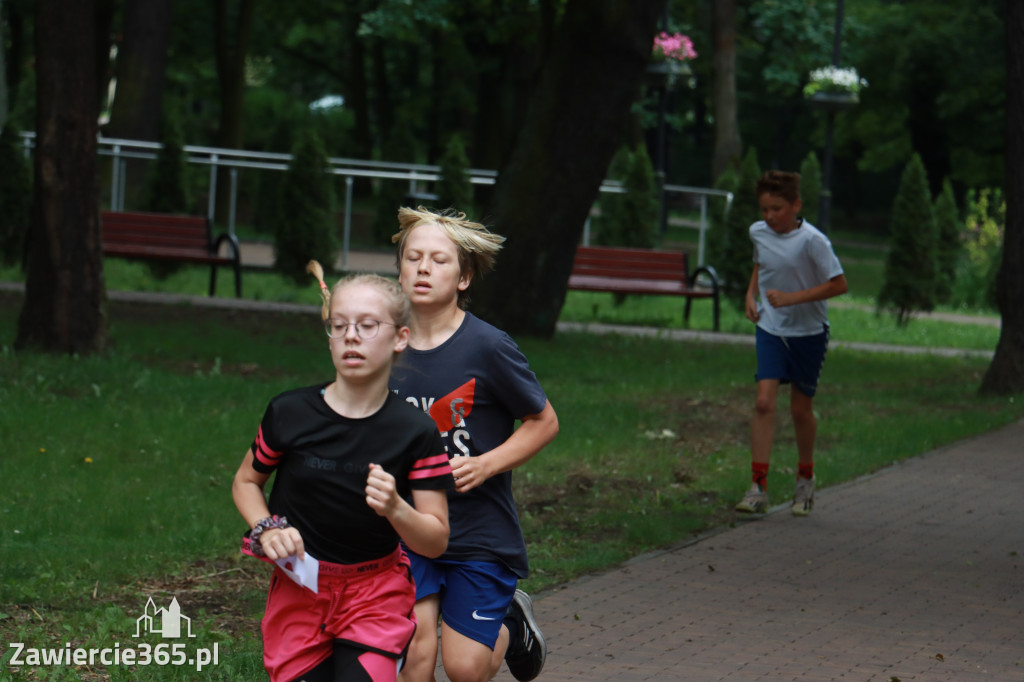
[[161, 236], [621, 270]]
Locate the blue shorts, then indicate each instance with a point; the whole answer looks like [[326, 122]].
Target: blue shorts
[[475, 595], [792, 359]]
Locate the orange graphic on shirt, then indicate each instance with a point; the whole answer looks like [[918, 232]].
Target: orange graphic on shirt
[[451, 410]]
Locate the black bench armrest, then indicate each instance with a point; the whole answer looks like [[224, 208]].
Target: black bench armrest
[[236, 259], [232, 240], [705, 270]]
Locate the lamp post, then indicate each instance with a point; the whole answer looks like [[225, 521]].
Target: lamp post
[[825, 201], [660, 174]]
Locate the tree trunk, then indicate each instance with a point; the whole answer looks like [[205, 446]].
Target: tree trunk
[[141, 70], [65, 297], [573, 127], [357, 94], [728, 145], [5, 102], [231, 36], [1005, 375]]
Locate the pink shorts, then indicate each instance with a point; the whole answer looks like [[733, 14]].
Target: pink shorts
[[369, 606]]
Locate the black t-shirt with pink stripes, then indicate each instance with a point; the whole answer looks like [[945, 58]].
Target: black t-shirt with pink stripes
[[322, 460]]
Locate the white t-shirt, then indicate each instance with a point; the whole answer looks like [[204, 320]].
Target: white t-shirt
[[800, 259]]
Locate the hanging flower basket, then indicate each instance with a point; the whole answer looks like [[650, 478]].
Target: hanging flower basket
[[833, 101], [673, 48], [672, 68], [670, 56], [832, 88]]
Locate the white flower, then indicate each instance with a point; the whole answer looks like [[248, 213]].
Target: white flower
[[835, 79]]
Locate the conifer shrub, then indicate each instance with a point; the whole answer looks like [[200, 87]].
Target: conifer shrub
[[305, 220], [15, 197], [630, 218], [399, 147], [982, 252], [730, 250], [166, 190], [910, 272], [948, 247], [810, 188], [454, 188], [165, 186]]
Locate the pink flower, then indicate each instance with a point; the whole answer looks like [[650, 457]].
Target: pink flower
[[676, 47]]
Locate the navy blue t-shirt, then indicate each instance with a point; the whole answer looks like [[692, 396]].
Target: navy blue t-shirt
[[475, 385], [322, 460]]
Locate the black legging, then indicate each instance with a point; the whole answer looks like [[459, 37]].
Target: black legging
[[342, 666]]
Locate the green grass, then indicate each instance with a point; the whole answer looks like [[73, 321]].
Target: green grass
[[119, 467], [852, 320]]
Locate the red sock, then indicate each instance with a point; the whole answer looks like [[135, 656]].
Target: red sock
[[805, 470], [760, 470]]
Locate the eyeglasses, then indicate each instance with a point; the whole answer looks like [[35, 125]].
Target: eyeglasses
[[365, 329]]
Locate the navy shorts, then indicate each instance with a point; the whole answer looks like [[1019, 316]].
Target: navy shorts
[[792, 359], [475, 595]]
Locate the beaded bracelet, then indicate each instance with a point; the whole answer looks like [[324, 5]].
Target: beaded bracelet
[[274, 521]]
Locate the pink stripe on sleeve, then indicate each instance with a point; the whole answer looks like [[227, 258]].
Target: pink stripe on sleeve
[[431, 467], [266, 455]]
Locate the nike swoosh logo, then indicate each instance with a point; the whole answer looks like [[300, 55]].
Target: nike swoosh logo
[[477, 616]]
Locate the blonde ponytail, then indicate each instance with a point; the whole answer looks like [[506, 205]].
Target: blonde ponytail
[[314, 268]]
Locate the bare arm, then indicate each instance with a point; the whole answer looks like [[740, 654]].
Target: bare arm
[[751, 307], [247, 491], [829, 289], [535, 432], [423, 525]]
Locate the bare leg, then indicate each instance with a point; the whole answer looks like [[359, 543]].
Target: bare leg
[[466, 660], [805, 424], [422, 659], [762, 430]]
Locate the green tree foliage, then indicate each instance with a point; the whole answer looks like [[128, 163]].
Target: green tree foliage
[[910, 272], [730, 249], [305, 227], [630, 218], [949, 104], [15, 198], [948, 247], [810, 187], [454, 188], [778, 25], [982, 253]]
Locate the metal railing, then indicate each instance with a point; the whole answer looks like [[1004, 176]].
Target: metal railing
[[702, 225], [122, 150]]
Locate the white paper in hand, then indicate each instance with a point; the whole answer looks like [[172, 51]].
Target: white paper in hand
[[303, 571]]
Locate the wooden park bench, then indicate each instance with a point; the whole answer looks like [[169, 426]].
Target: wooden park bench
[[643, 271], [165, 237]]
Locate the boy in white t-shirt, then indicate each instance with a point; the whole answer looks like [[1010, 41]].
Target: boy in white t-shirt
[[795, 272]]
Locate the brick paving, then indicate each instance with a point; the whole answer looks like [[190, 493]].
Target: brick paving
[[913, 573]]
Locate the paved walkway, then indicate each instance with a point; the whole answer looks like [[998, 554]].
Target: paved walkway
[[914, 573]]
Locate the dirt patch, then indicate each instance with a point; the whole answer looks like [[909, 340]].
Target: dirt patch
[[224, 596]]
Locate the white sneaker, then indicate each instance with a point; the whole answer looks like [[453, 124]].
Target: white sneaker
[[754, 502], [803, 498]]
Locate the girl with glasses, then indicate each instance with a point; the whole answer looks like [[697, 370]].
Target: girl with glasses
[[357, 471]]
